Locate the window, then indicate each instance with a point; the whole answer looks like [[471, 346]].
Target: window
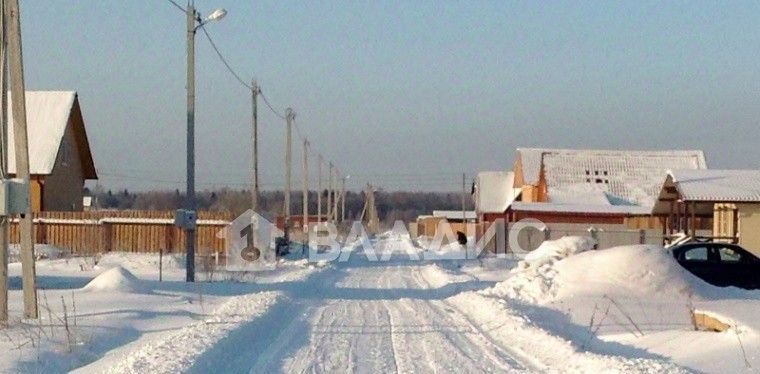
[[728, 255], [695, 254]]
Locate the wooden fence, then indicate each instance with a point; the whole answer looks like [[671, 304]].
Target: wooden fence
[[86, 233]]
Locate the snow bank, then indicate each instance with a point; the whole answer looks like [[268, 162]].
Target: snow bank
[[116, 279], [552, 250], [179, 351], [554, 272], [644, 270], [533, 278]]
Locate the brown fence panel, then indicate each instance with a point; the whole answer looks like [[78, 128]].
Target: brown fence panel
[[91, 232]]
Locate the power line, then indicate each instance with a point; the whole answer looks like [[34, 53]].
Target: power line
[[224, 60], [266, 101], [178, 6], [237, 76]]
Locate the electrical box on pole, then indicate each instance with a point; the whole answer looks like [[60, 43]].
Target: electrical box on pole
[[14, 197]]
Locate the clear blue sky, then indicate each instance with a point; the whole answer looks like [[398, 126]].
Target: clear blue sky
[[405, 94]]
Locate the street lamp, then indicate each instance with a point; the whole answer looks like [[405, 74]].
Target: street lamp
[[194, 22]]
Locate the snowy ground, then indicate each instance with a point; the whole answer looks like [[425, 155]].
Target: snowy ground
[[561, 311]]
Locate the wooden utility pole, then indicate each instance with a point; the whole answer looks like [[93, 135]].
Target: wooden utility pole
[[255, 172], [18, 106], [4, 229], [319, 189], [289, 117], [329, 192], [305, 177]]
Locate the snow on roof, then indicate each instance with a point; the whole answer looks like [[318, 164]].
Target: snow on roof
[[717, 185], [494, 191], [519, 206], [454, 214], [47, 114], [627, 177], [578, 194]]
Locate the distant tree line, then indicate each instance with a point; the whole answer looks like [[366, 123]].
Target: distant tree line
[[391, 206]]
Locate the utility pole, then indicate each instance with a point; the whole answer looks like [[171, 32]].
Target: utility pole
[[464, 217], [190, 198], [319, 189], [343, 200], [305, 177], [370, 211], [18, 98], [289, 117], [329, 193], [335, 196], [255, 175], [4, 229]]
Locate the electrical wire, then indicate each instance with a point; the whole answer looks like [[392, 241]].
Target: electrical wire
[[178, 6], [239, 79], [266, 101], [224, 60]]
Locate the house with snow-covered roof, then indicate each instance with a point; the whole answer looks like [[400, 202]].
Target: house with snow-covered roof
[[727, 199], [624, 177], [60, 159], [582, 186]]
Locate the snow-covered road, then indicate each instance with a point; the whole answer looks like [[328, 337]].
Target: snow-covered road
[[371, 317]]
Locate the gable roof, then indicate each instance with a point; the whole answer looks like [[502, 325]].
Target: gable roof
[[717, 185], [626, 177], [494, 191], [47, 117]]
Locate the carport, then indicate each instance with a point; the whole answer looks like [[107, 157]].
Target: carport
[[725, 201]]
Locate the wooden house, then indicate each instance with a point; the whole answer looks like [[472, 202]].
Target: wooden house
[[594, 186], [60, 160]]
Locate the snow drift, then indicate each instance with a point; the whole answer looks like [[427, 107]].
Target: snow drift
[[566, 268], [116, 279]]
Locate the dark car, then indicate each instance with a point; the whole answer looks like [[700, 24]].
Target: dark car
[[720, 264]]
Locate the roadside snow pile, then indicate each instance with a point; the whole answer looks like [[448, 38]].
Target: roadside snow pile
[[644, 270], [553, 272], [116, 279], [182, 350], [533, 278], [553, 250]]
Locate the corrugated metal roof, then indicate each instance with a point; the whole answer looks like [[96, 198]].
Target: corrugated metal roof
[[718, 185], [627, 177], [47, 114]]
